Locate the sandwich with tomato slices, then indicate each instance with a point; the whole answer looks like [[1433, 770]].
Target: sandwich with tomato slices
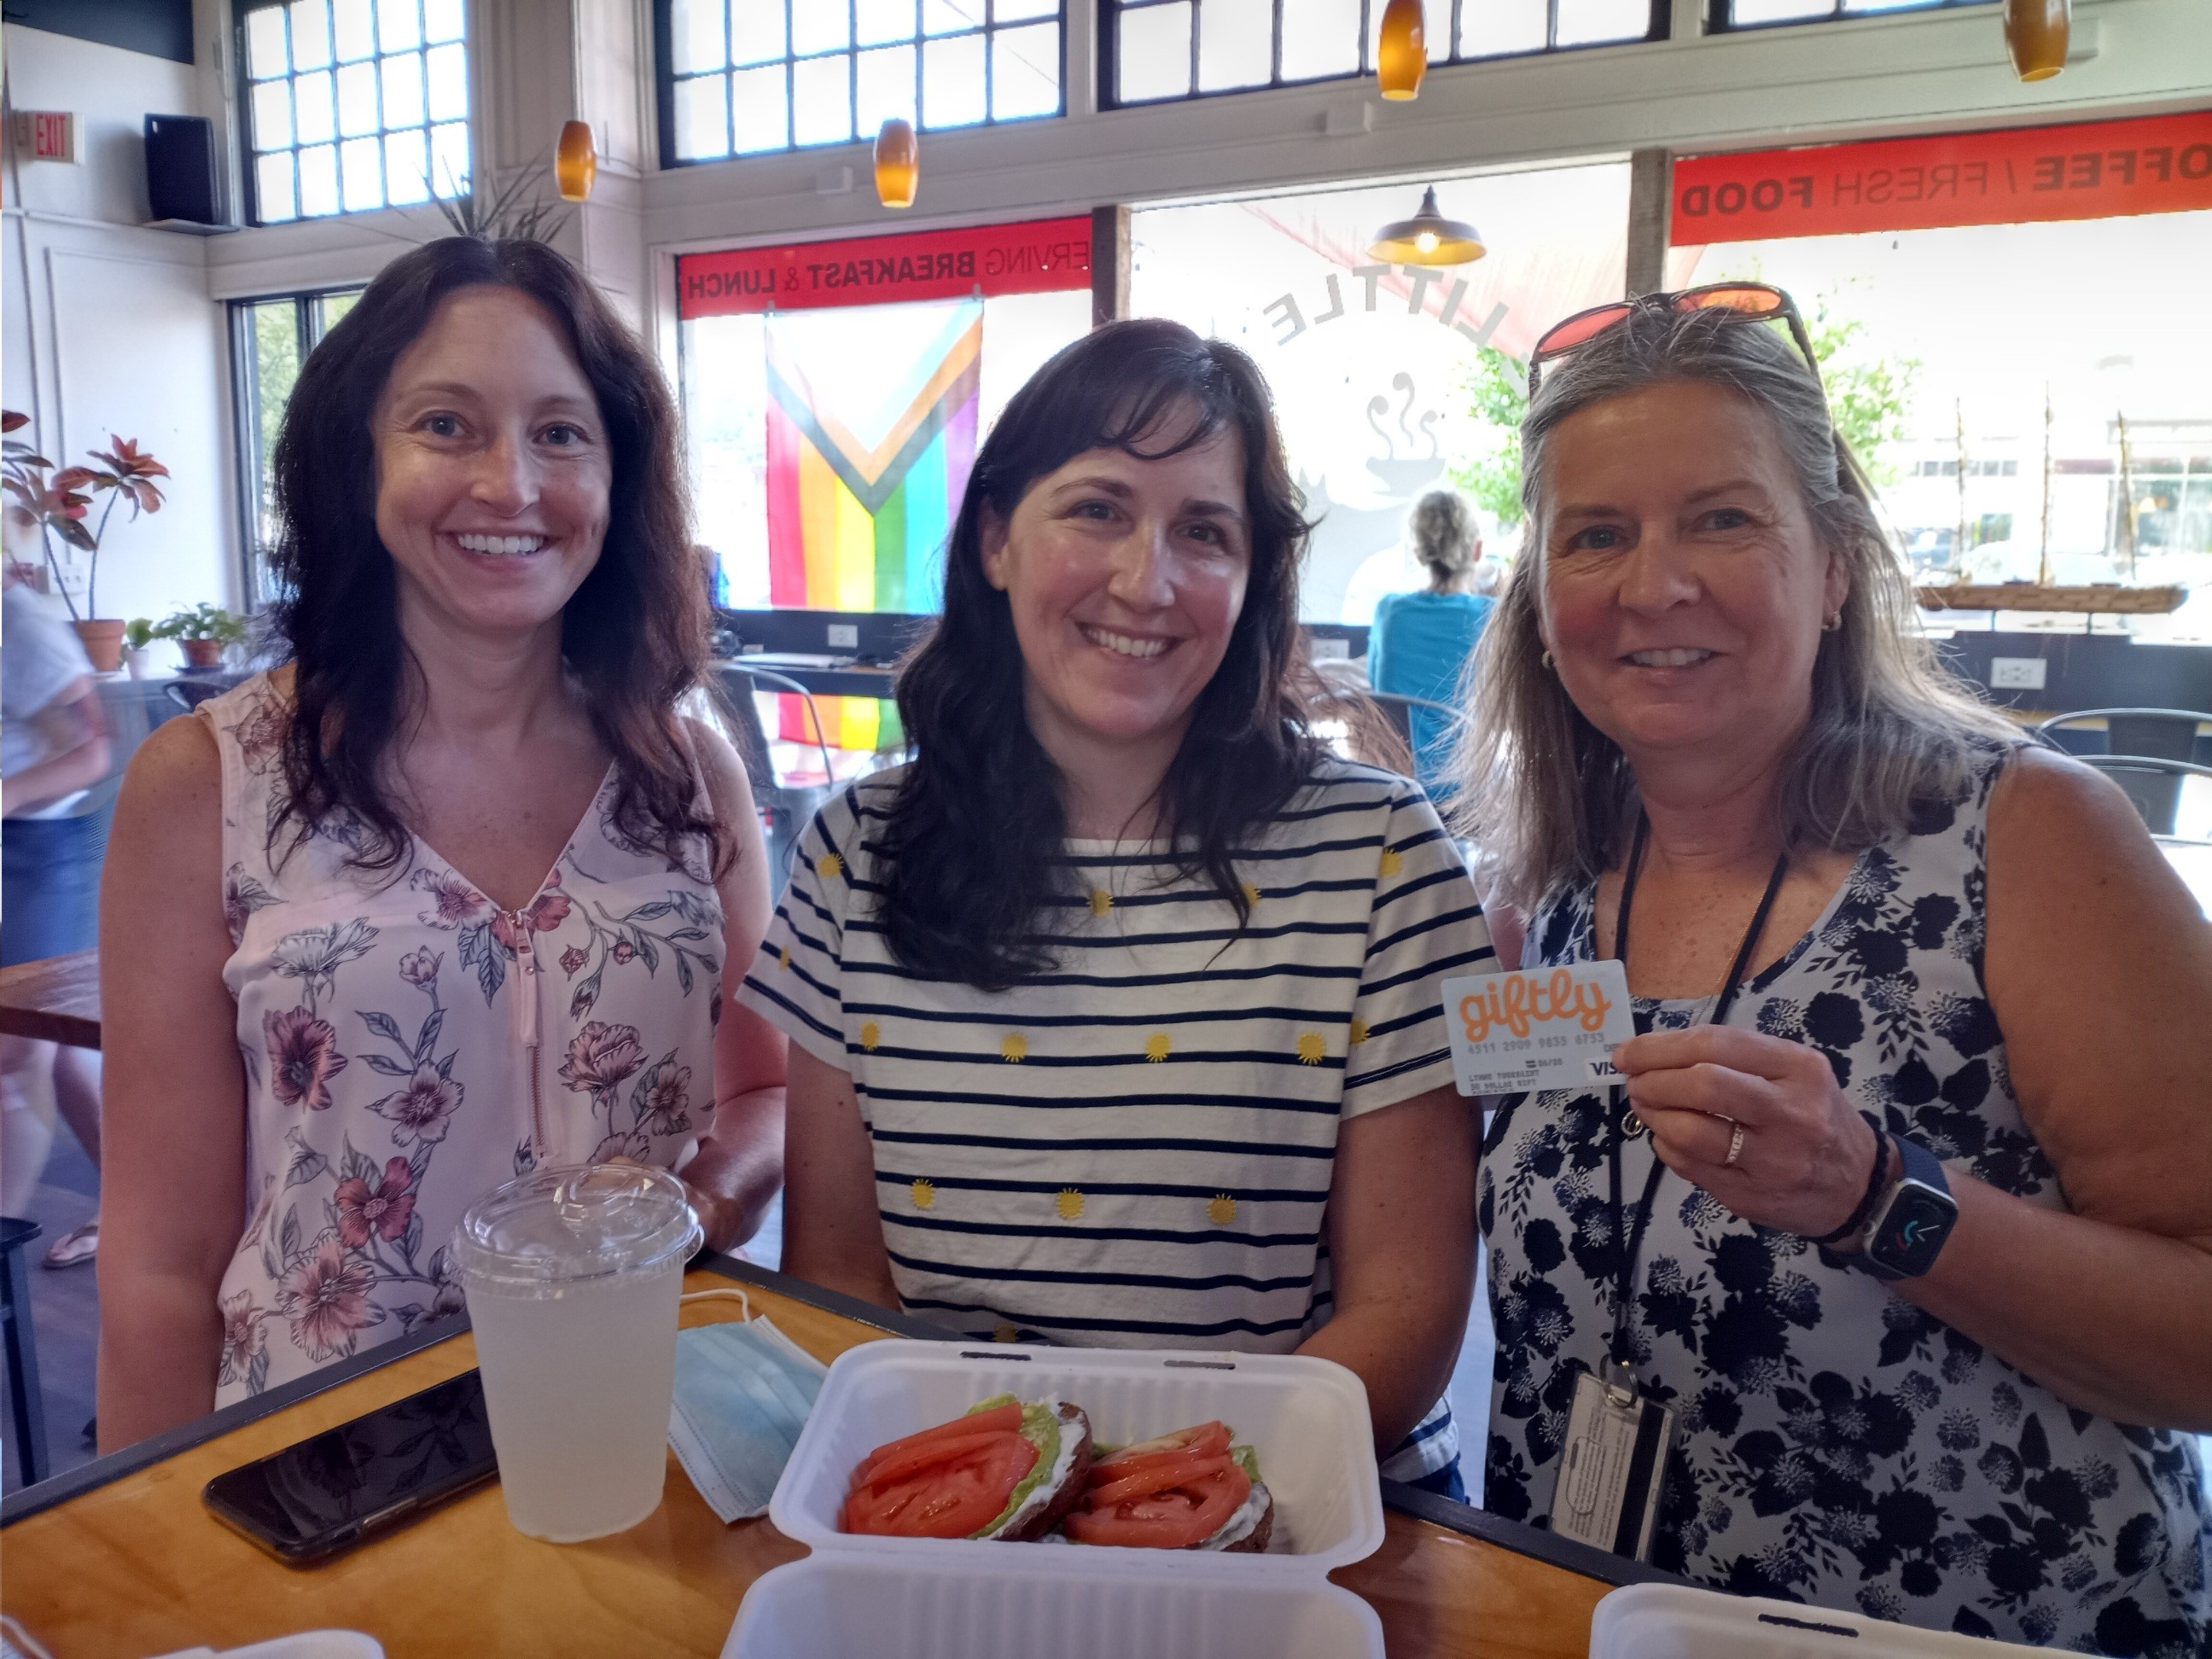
[[1008, 1469], [1191, 1489]]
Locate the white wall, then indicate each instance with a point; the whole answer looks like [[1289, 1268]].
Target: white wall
[[108, 330]]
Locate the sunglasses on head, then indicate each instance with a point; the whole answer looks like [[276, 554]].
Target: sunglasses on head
[[1750, 302]]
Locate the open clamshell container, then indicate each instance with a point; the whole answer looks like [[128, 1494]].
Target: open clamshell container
[[921, 1598]]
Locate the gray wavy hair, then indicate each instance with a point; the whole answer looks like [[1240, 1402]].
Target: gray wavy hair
[[1549, 800], [1444, 532]]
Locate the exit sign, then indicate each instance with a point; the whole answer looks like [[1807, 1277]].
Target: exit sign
[[45, 135]]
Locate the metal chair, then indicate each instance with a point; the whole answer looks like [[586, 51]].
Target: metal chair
[[2157, 746], [785, 808], [27, 1408]]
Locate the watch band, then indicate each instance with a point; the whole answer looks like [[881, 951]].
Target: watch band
[[1923, 1186]]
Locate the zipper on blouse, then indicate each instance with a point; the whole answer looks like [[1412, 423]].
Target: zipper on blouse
[[526, 998]]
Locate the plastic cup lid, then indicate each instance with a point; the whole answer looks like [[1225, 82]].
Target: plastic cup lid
[[578, 1221]]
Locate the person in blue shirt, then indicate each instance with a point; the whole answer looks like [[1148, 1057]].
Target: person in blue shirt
[[1420, 642]]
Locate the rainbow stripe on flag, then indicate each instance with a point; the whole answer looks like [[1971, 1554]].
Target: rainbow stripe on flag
[[859, 509]]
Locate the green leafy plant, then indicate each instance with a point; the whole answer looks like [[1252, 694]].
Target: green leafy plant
[[59, 502], [1870, 398], [1496, 387], [138, 633], [202, 622]]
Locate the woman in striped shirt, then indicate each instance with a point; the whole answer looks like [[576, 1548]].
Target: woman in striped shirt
[[1114, 1015]]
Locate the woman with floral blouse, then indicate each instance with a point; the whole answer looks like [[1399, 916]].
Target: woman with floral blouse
[[449, 895]]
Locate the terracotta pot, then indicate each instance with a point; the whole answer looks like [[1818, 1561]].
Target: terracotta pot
[[102, 639], [202, 653]]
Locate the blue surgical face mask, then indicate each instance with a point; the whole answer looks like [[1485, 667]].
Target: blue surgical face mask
[[743, 1391]]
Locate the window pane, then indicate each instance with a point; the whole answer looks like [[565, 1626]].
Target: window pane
[[1025, 72], [449, 159], [876, 21], [1236, 44], [1500, 27], [356, 30], [442, 20], [757, 110], [1582, 21], [398, 25], [695, 33], [276, 371], [265, 43], [406, 167], [1321, 38], [272, 115], [952, 82], [1879, 5], [822, 99], [820, 25], [702, 118], [272, 182], [360, 166], [948, 16], [357, 98], [319, 181], [448, 73], [334, 307], [310, 34], [403, 89], [755, 31], [1013, 11], [311, 108], [1155, 55], [1779, 11], [886, 88]]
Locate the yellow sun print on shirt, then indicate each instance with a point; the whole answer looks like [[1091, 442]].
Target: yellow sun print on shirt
[[828, 866], [1391, 862], [923, 1192], [1357, 1035], [1252, 894], [1014, 1049], [1005, 1333], [871, 1035], [1157, 1047], [1069, 1204], [1311, 1049], [783, 957], [1221, 1209], [1101, 901]]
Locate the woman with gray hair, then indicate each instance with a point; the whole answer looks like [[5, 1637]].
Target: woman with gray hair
[[1420, 642], [1899, 1222]]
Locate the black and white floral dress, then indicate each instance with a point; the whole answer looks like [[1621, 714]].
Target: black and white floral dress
[[1835, 1445]]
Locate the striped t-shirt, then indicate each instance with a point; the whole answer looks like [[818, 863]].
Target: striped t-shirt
[[1133, 1149]]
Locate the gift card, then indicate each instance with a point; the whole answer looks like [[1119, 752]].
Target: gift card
[[1539, 1028]]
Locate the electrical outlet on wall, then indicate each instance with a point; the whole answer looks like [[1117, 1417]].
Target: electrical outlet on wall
[[845, 636], [2017, 673]]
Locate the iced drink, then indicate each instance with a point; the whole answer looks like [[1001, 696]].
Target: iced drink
[[573, 1276]]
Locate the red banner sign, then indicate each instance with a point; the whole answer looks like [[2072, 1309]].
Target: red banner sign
[[2094, 170], [1038, 257]]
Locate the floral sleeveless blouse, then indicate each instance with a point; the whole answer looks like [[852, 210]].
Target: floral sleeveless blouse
[[1835, 1444], [410, 1046]]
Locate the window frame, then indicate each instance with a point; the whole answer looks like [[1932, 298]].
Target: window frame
[[242, 90], [664, 78], [245, 411], [1108, 54], [1720, 17]]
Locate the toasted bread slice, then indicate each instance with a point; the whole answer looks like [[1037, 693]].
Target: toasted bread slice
[[1037, 1518], [1254, 1542]]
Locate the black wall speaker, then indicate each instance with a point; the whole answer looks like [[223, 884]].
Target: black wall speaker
[[180, 168]]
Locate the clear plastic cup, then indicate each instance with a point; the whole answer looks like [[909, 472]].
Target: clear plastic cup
[[573, 1275]]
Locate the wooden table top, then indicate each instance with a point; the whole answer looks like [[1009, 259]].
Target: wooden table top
[[138, 1567], [55, 1000]]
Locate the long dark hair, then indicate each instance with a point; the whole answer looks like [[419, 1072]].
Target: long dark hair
[[634, 634], [973, 841]]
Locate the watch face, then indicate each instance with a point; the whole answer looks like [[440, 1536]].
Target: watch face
[[1918, 1222]]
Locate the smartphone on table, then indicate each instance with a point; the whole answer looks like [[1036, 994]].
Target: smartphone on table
[[348, 1484]]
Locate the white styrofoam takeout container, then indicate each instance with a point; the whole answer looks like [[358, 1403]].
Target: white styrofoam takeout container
[[918, 1598], [1678, 1621]]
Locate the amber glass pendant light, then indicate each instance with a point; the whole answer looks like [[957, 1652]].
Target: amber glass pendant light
[[575, 162], [1427, 239], [898, 163], [1401, 55], [2036, 34]]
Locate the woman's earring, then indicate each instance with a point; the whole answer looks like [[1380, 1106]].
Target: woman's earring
[[1546, 660], [1832, 624]]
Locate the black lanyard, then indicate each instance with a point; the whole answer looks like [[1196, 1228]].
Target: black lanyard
[[1625, 1278]]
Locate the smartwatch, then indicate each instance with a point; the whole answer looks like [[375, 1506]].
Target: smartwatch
[[1913, 1219]]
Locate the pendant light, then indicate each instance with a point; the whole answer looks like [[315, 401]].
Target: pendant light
[[898, 163], [1427, 239], [2036, 33], [575, 162], [1401, 55]]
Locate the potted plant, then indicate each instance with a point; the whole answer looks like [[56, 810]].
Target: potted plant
[[138, 637], [59, 502], [204, 632]]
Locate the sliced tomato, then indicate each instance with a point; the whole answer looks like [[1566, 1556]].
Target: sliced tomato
[[1172, 1520], [1206, 1439], [1163, 1473], [947, 1499], [997, 1419], [884, 1469]]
